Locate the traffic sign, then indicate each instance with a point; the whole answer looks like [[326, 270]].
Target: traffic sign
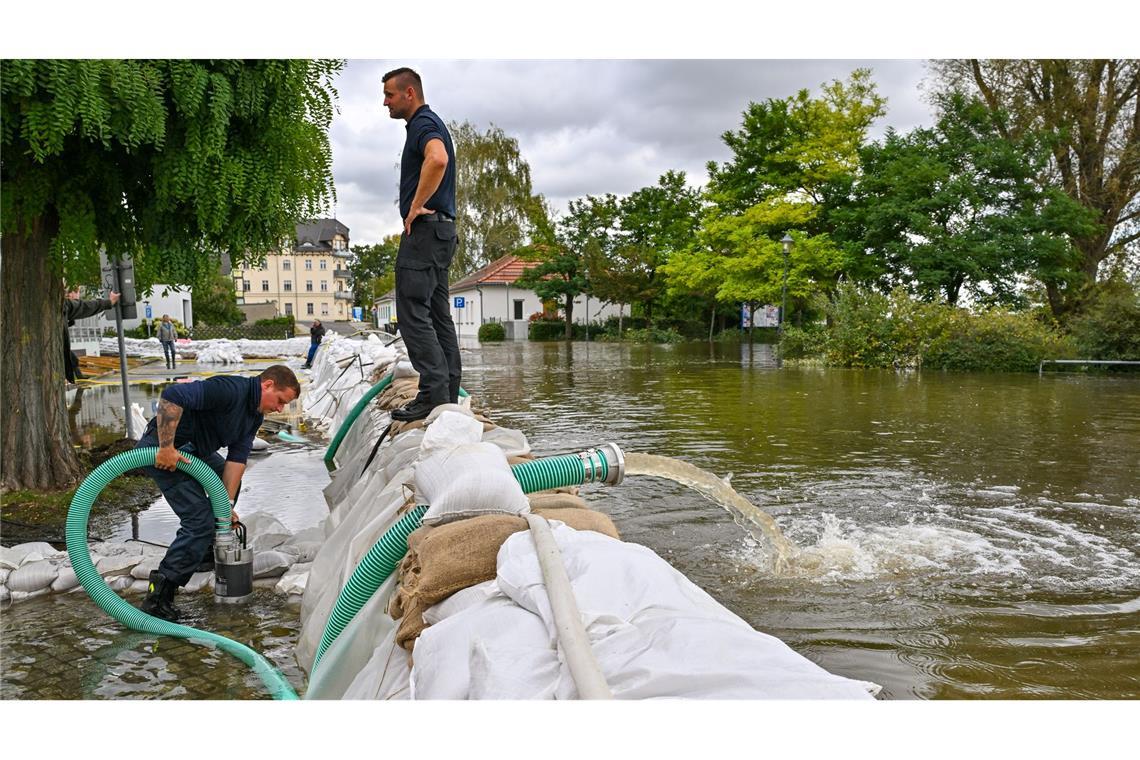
[[459, 302]]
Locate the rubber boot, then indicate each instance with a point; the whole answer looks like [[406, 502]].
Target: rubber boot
[[160, 598]]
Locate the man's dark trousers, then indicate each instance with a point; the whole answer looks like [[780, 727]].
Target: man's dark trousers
[[424, 311], [189, 501]]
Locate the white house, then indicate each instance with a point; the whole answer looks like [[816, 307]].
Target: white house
[[490, 295]]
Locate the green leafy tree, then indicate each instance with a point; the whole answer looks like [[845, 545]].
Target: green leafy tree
[[955, 207], [374, 269], [215, 302], [495, 203], [1088, 111], [585, 235], [793, 159], [173, 162]]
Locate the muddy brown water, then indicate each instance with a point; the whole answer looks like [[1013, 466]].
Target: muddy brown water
[[953, 535]]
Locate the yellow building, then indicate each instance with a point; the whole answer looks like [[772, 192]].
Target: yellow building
[[310, 281]]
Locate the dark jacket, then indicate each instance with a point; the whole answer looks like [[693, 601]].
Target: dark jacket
[[73, 310], [316, 333]]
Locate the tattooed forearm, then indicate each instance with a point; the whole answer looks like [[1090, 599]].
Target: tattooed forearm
[[168, 416]]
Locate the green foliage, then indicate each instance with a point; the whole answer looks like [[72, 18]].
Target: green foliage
[[543, 329], [374, 269], [492, 331], [869, 329], [171, 161], [804, 342], [1110, 328], [496, 207], [215, 302], [286, 322], [654, 335]]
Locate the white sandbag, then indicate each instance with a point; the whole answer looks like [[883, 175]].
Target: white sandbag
[[469, 480], [4, 573], [295, 579], [302, 552], [264, 531], [147, 566], [315, 533], [5, 594], [448, 430], [120, 582], [32, 576], [653, 631], [199, 581], [512, 442], [115, 549], [22, 554], [23, 596], [65, 581], [118, 564], [270, 564], [403, 369], [139, 587], [260, 444]]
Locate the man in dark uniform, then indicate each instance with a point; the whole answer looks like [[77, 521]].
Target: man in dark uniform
[[316, 335], [73, 309], [427, 205], [198, 418]]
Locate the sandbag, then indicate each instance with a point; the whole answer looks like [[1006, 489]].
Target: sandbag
[[270, 564], [117, 564], [294, 580], [33, 576], [21, 554], [65, 581], [469, 480], [547, 500], [199, 581]]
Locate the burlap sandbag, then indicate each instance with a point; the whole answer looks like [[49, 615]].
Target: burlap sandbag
[[447, 558], [548, 500]]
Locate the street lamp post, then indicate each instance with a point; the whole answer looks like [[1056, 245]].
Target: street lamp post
[[787, 243]]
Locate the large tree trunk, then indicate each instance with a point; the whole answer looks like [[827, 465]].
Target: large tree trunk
[[36, 448], [569, 317]]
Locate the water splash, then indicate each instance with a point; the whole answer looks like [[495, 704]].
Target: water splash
[[747, 515]]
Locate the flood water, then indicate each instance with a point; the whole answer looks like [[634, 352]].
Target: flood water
[[952, 535]]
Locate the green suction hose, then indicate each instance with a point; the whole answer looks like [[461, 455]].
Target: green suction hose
[[603, 464], [353, 413], [112, 604]]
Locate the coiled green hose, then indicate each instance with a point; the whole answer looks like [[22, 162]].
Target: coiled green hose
[[385, 554], [112, 604], [353, 413]]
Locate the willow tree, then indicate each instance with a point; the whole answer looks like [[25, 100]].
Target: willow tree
[[171, 162]]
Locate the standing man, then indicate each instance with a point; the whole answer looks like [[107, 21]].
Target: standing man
[[427, 205], [74, 309], [198, 418], [166, 336], [316, 334]]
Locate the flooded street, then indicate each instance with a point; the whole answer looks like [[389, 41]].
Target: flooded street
[[951, 535]]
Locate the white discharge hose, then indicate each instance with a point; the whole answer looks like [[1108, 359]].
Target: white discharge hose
[[572, 636]]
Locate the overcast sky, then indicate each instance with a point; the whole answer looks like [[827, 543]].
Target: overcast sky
[[586, 126]]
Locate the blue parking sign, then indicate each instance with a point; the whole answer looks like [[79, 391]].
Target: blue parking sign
[[148, 314], [459, 302]]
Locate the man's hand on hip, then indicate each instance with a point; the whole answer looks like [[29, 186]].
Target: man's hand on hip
[[413, 215]]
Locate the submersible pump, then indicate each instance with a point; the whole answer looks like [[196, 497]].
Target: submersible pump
[[233, 566]]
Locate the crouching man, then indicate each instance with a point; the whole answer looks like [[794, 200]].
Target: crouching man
[[199, 418]]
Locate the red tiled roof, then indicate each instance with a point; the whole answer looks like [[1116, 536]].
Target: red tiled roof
[[502, 271]]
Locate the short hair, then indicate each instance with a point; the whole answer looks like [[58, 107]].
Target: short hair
[[403, 74], [281, 376]]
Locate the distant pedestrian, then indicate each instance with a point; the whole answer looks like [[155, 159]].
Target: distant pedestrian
[[316, 335], [73, 309], [166, 336], [427, 246]]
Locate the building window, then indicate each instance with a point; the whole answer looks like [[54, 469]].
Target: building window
[[324, 264], [324, 286], [324, 310], [518, 308], [309, 309], [286, 264], [245, 284], [289, 309], [308, 286], [308, 264], [287, 285], [265, 286]]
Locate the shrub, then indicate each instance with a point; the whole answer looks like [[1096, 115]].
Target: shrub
[[804, 342], [860, 334], [995, 340], [1110, 328], [492, 331], [654, 335], [546, 329]]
